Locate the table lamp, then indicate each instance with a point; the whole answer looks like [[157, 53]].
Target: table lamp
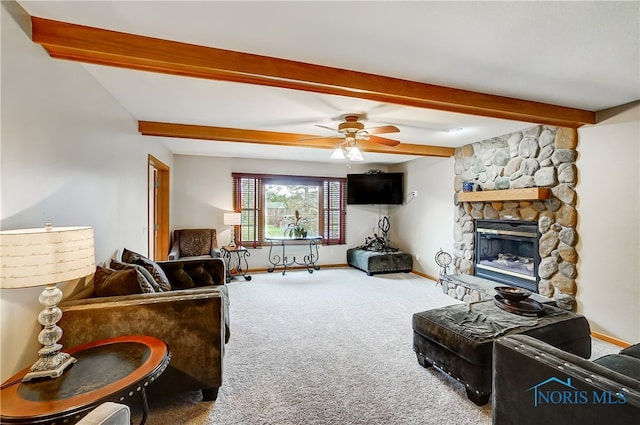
[[233, 219], [45, 257]]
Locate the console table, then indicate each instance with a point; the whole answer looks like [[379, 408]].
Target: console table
[[114, 369], [309, 260]]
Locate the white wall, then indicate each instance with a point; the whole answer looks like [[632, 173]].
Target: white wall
[[202, 192], [70, 155], [424, 224], [609, 227]]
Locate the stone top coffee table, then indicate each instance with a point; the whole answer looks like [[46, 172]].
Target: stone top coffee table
[[458, 339]]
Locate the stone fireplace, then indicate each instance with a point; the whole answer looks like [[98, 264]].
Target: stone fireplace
[[541, 157]]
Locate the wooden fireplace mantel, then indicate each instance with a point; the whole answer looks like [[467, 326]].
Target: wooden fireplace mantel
[[526, 194]]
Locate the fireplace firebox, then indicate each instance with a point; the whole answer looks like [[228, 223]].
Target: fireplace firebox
[[506, 251]]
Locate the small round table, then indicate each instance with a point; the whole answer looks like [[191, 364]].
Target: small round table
[[114, 369]]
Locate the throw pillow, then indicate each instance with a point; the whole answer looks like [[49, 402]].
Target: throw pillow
[[108, 282], [118, 265], [158, 275]]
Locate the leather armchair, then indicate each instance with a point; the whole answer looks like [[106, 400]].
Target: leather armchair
[[194, 243], [536, 383], [194, 323]]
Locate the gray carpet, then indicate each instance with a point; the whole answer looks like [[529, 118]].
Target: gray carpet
[[332, 347]]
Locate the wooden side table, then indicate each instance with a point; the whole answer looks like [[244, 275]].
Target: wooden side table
[[235, 258], [114, 369]]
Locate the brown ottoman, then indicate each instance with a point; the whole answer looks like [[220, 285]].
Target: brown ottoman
[[458, 339]]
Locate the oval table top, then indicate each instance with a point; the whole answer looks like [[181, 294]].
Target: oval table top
[[107, 370]]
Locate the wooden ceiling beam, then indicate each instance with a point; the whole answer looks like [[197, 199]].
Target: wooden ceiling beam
[[223, 134], [99, 46]]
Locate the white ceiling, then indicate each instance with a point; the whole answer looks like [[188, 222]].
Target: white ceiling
[[577, 54]]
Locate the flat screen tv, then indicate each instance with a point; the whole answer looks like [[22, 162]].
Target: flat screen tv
[[375, 188]]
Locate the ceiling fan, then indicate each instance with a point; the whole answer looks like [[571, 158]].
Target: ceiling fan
[[351, 130], [352, 127]]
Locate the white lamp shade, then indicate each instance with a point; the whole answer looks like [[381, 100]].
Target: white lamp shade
[[354, 154], [232, 219], [337, 153], [44, 256]]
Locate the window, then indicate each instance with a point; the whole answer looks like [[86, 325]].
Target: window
[[269, 203]]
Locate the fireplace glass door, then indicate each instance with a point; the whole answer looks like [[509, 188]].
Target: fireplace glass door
[[507, 252]]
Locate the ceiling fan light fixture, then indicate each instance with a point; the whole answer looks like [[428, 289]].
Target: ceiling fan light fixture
[[338, 153], [354, 154]]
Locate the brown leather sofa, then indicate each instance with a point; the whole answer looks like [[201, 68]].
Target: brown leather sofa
[[192, 319], [536, 383], [194, 243]]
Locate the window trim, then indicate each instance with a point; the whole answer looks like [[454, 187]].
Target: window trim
[[324, 206]]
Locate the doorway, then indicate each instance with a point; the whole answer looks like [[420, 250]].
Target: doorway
[[158, 209]]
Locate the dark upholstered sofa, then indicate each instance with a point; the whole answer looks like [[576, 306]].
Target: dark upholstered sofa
[[191, 316], [536, 383]]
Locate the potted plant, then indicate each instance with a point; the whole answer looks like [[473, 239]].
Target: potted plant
[[298, 228]]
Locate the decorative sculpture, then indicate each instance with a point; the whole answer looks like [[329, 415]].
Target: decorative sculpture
[[380, 243]]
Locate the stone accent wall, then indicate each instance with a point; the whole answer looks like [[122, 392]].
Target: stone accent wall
[[463, 290], [540, 156]]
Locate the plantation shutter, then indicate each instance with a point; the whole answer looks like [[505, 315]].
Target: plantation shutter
[[247, 200], [334, 211]]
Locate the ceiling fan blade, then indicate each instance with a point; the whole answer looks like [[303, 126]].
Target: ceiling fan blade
[[335, 130], [329, 138], [383, 141], [382, 129]]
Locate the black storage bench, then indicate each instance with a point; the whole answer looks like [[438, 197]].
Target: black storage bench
[[373, 262]]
